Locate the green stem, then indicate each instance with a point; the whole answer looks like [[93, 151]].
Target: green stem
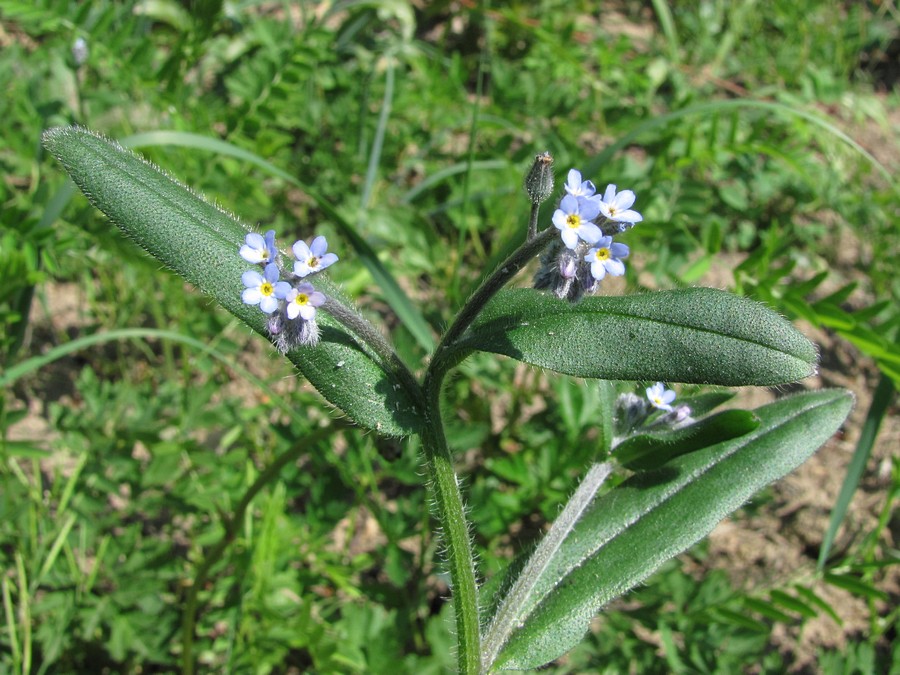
[[448, 500], [533, 221], [440, 364], [189, 620], [452, 518]]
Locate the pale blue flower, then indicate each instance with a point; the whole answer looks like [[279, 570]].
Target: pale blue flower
[[606, 258], [259, 249], [574, 219], [264, 289], [616, 206], [577, 187], [302, 301], [660, 397], [313, 258]]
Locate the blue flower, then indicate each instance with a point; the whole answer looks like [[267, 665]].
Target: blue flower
[[616, 206], [259, 249], [302, 301], [313, 258], [577, 187], [573, 219], [264, 289], [606, 258], [660, 397]]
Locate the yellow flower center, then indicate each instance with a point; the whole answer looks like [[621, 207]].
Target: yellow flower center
[[266, 288], [573, 220], [313, 261], [602, 254], [301, 299]]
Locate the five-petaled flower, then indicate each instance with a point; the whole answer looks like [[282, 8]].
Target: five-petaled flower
[[302, 301], [313, 258], [574, 219], [660, 397], [264, 289], [606, 258], [616, 206], [259, 249], [577, 187]]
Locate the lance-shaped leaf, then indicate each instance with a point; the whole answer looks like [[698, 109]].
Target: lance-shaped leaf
[[629, 532], [698, 335], [652, 449], [200, 242]]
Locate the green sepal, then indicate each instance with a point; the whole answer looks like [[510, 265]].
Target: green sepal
[[200, 242]]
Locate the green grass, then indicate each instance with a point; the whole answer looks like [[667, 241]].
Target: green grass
[[750, 132]]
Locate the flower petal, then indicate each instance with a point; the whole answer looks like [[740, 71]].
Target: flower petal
[[251, 296], [624, 200], [320, 245], [570, 238], [615, 267], [251, 278], [301, 250], [268, 304]]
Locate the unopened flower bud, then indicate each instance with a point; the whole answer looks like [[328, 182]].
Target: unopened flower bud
[[679, 417], [539, 181], [630, 411], [568, 264]]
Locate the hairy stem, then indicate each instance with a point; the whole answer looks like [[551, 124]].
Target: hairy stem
[[533, 221], [452, 518], [488, 289]]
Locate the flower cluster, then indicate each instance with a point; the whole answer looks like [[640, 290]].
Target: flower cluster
[[634, 414], [585, 253], [291, 305]]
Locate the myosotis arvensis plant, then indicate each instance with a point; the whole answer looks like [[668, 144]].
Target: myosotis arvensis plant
[[687, 466]]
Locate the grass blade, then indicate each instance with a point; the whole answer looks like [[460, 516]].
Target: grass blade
[[877, 410]]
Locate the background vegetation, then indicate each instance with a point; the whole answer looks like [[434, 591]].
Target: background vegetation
[[761, 139]]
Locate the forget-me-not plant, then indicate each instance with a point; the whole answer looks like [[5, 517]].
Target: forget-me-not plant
[[544, 606]]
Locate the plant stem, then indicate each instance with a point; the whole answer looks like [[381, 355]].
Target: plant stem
[[533, 221], [452, 519], [488, 288], [448, 500]]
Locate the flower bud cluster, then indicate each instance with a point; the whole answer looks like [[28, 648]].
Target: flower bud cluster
[[585, 253], [634, 413], [290, 305]]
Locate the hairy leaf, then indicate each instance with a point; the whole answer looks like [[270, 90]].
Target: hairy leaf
[[652, 449], [697, 335], [200, 242], [629, 532]]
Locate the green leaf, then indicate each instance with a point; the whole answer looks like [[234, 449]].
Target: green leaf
[[884, 394], [698, 335], [856, 586], [629, 532], [200, 242], [406, 311], [793, 604], [653, 449]]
